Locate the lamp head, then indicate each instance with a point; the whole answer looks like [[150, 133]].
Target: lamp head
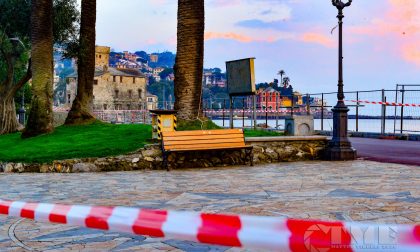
[[16, 42], [340, 5]]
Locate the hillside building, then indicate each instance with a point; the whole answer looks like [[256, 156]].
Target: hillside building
[[113, 89]]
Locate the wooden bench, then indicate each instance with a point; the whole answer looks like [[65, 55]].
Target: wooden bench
[[204, 140]]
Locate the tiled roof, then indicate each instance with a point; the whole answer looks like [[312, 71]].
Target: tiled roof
[[270, 90], [149, 94]]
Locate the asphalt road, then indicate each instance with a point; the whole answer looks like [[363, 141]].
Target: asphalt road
[[390, 151]]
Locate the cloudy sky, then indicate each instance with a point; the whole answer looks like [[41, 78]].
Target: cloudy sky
[[382, 38]]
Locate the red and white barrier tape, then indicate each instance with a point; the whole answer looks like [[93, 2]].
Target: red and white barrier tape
[[257, 111], [104, 111], [270, 233], [386, 103]]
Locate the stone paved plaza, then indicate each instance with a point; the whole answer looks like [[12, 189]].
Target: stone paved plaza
[[350, 191]]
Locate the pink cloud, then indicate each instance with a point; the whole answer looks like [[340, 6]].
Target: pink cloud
[[411, 53], [236, 36], [399, 27], [317, 38], [309, 37]]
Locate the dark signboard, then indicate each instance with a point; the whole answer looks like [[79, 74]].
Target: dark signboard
[[240, 77]]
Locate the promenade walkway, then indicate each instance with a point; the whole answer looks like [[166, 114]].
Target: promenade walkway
[[350, 191], [390, 151]]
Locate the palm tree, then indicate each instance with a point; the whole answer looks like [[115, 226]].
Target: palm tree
[[81, 110], [189, 59], [281, 73], [40, 119]]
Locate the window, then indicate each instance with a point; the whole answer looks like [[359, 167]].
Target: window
[[105, 106], [134, 80], [114, 78], [121, 78], [100, 56], [128, 107], [116, 93], [95, 82], [69, 98], [150, 99], [140, 93], [130, 94]]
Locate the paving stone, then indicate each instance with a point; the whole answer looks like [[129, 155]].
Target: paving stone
[[350, 191], [195, 247]]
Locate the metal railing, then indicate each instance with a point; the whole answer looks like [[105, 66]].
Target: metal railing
[[395, 111], [123, 116], [392, 111]]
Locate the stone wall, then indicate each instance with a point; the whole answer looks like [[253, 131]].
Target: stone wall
[[266, 150]]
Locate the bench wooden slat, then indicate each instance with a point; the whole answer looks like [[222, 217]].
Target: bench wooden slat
[[202, 137], [214, 146], [203, 141], [210, 149], [202, 132]]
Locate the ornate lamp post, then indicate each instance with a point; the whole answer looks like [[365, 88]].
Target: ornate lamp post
[[340, 147]]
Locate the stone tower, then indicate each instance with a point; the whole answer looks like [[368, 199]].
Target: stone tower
[[102, 57]]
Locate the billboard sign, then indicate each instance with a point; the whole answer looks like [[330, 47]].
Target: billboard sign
[[240, 77]]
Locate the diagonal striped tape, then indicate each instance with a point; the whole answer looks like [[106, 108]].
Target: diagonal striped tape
[[271, 233]]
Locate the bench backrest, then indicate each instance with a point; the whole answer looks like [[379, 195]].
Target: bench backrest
[[200, 139]]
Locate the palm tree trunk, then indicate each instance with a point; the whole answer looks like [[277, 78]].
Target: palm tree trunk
[[189, 59], [40, 119], [81, 110]]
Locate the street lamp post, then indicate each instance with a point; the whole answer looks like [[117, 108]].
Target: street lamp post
[[340, 147], [21, 111]]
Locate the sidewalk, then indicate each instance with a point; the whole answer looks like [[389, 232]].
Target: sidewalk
[[350, 191]]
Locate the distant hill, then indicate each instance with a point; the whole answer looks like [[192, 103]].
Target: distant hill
[[142, 54], [165, 59]]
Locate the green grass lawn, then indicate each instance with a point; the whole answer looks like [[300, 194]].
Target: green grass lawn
[[209, 125], [66, 142], [261, 133], [94, 140]]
